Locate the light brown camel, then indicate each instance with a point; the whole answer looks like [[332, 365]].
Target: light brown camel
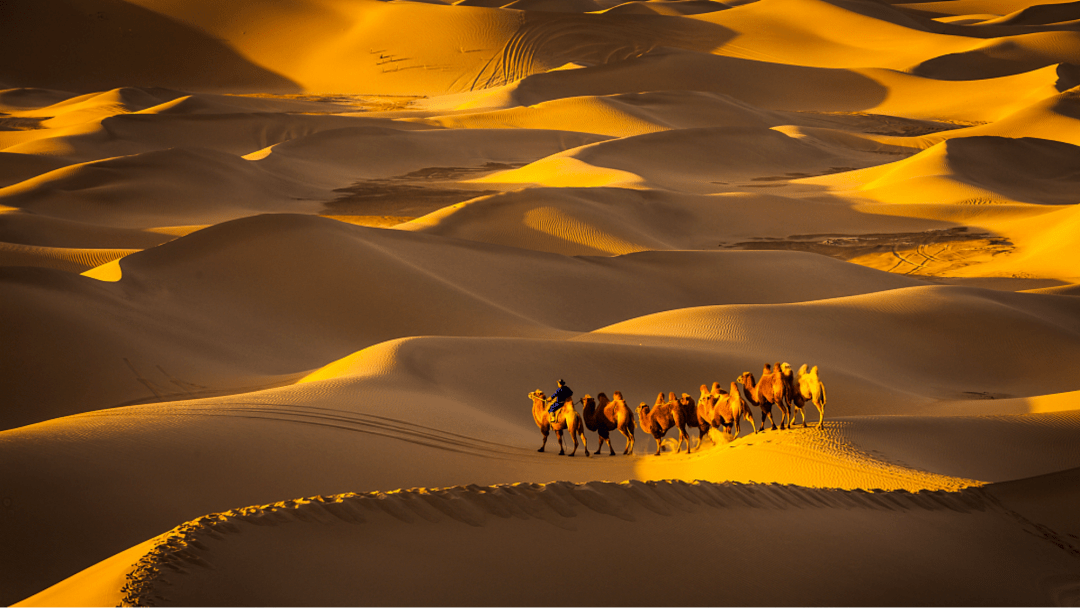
[[663, 415], [603, 416], [764, 394], [723, 411], [810, 389], [740, 408], [567, 418], [783, 389]]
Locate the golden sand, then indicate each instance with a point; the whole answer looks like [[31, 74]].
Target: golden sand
[[277, 278]]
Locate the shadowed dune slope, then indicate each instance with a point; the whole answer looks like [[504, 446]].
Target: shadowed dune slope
[[237, 557], [341, 156], [621, 115], [763, 84], [169, 187], [979, 170], [921, 333], [106, 32], [614, 221], [197, 186], [685, 160]]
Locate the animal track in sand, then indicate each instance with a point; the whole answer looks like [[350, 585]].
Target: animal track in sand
[[928, 253], [411, 195]]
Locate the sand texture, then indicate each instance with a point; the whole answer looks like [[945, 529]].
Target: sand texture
[[277, 280]]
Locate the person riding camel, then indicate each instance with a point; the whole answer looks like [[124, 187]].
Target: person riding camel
[[561, 396]]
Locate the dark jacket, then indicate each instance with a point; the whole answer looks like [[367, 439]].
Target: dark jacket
[[561, 396]]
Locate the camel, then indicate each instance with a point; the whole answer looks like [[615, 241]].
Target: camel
[[690, 415], [723, 411], [764, 394], [567, 418], [659, 420], [740, 409], [603, 416], [810, 389]]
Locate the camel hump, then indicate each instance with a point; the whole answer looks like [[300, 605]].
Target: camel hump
[[802, 369]]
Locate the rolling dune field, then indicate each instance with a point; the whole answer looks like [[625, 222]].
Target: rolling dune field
[[277, 279]]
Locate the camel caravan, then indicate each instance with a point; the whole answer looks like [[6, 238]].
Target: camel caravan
[[715, 408]]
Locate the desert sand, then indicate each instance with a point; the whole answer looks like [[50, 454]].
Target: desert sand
[[277, 279]]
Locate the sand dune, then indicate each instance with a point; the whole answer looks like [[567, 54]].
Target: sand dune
[[251, 253], [121, 322], [615, 221], [621, 115], [212, 557], [810, 330], [687, 160], [975, 170]]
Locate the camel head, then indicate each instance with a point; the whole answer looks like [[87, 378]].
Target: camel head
[[537, 394], [745, 379], [785, 369], [643, 414], [686, 399], [588, 400]]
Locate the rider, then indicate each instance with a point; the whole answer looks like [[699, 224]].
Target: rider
[[561, 396]]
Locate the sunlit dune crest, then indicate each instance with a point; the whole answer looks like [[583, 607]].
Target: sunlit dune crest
[[285, 288]]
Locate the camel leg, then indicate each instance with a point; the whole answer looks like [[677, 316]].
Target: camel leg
[[545, 433], [629, 441], [821, 414], [573, 436], [558, 435], [584, 442], [657, 445]]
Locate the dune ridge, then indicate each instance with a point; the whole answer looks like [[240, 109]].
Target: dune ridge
[[192, 549]]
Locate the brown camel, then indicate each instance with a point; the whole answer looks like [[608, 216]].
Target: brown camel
[[764, 394], [663, 415], [567, 418], [810, 389], [690, 415], [603, 416], [723, 411]]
